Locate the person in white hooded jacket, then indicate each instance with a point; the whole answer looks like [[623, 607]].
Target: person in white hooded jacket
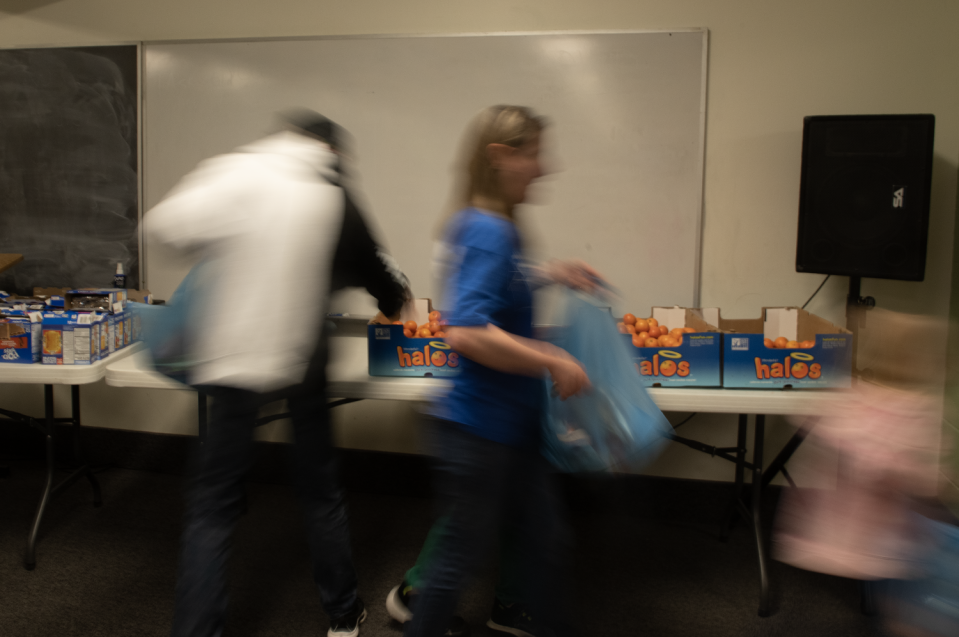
[[269, 220]]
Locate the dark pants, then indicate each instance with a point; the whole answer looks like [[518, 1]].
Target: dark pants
[[215, 498], [482, 486]]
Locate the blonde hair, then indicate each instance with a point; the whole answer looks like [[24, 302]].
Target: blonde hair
[[476, 177]]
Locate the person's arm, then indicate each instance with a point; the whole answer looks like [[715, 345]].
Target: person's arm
[[497, 349], [205, 206], [360, 262], [574, 274]]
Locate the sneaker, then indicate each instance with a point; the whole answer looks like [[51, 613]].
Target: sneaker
[[398, 603], [398, 607], [512, 619], [348, 625]]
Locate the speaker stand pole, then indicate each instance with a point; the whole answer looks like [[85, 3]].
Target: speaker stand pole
[[856, 306]]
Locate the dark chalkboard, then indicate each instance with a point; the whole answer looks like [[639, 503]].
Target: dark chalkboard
[[68, 165]]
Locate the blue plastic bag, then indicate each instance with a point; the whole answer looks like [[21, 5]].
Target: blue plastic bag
[[616, 425], [166, 329], [930, 604]]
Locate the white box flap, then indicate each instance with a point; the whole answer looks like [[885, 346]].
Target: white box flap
[[781, 321]]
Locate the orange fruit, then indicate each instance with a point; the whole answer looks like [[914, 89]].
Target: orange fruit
[[652, 322], [651, 342], [768, 342], [689, 330], [664, 340], [397, 322], [807, 344], [678, 340], [424, 333], [408, 333], [780, 342], [676, 332], [642, 325], [433, 327], [654, 331], [410, 325], [631, 329], [663, 329], [435, 316], [629, 319], [643, 336], [792, 344], [439, 335], [637, 342]]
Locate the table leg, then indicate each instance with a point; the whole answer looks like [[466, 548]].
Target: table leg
[[778, 465], [735, 504], [49, 428], [78, 450], [30, 560], [757, 492]]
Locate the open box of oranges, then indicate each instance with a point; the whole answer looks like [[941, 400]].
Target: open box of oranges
[[413, 346], [675, 347], [786, 348]]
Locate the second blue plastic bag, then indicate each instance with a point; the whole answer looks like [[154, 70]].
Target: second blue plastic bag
[[167, 329], [615, 426]]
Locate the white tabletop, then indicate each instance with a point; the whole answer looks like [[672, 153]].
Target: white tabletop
[[348, 377], [38, 373]]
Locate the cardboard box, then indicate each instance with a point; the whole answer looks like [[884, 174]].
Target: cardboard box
[[110, 300], [103, 333], [391, 353], [117, 330], [748, 363], [20, 337], [68, 339], [695, 363]]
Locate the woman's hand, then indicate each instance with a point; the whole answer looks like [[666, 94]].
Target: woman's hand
[[574, 274], [568, 376]]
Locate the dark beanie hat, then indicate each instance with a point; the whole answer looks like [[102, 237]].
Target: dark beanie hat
[[314, 124]]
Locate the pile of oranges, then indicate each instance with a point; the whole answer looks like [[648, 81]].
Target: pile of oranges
[[433, 328], [783, 343], [649, 333]]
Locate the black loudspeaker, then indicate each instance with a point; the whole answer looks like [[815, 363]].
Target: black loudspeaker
[[864, 195]]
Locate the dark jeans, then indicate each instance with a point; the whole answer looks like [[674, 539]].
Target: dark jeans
[[215, 498], [481, 487]]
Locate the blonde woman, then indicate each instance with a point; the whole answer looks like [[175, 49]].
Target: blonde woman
[[485, 433]]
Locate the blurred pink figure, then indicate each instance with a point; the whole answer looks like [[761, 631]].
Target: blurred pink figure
[[888, 440]]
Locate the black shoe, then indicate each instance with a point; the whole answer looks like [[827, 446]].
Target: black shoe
[[513, 619], [348, 625], [398, 607]]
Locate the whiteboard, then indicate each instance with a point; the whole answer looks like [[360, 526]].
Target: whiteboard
[[625, 142]]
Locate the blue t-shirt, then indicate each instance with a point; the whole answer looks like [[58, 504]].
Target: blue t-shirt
[[486, 285]]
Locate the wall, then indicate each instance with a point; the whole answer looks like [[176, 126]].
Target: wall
[[771, 63]]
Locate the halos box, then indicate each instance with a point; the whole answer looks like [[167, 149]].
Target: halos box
[[695, 363], [748, 363], [391, 353]]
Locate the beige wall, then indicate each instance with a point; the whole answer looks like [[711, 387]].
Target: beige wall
[[771, 63]]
